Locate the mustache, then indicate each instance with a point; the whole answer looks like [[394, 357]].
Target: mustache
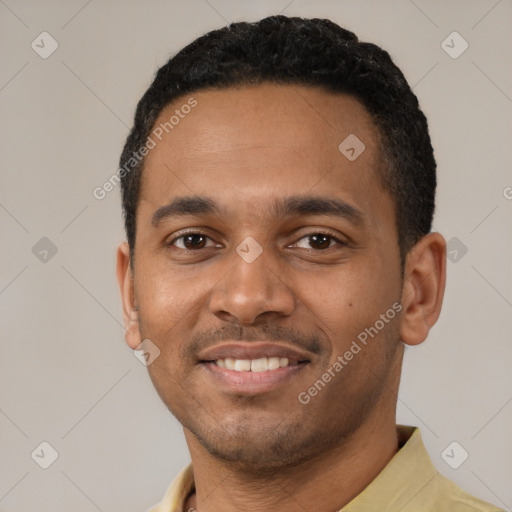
[[233, 332]]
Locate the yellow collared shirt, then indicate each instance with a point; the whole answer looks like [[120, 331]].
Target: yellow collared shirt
[[408, 483]]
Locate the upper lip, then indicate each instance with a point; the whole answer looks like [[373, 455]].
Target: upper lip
[[252, 350]]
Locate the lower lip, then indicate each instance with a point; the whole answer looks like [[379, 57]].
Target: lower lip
[[251, 383]]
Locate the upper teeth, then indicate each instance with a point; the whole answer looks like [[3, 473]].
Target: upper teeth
[[253, 365]]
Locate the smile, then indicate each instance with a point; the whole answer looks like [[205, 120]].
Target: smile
[[263, 364], [250, 368]]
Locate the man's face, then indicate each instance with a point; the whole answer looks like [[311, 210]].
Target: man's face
[[274, 245]]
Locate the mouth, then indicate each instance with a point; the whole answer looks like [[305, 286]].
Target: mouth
[[252, 368]]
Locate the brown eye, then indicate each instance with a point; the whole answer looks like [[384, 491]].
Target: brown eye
[[191, 241], [194, 241], [319, 241]]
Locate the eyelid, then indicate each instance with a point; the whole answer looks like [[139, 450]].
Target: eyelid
[[322, 231], [170, 240]]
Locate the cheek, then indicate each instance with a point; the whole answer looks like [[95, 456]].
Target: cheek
[[348, 299], [161, 304], [170, 300]]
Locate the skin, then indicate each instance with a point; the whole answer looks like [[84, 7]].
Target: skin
[[244, 149]]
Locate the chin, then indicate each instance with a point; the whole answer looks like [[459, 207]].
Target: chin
[[259, 448]]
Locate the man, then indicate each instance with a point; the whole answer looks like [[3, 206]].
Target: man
[[278, 190]]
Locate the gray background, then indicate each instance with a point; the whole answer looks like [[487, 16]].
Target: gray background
[[66, 375]]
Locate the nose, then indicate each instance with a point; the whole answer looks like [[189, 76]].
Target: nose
[[250, 292]]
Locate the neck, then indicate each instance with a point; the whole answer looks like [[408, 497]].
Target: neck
[[328, 482]]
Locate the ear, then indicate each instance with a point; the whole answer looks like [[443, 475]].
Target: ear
[[423, 290], [125, 281]]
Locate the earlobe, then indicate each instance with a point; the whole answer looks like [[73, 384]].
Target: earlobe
[[126, 288], [423, 290]]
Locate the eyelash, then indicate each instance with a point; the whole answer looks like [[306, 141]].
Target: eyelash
[[327, 235], [198, 233], [183, 235]]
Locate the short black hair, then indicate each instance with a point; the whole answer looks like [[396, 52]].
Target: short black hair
[[309, 52]]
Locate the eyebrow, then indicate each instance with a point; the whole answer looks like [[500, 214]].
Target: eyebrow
[[286, 207], [313, 205], [184, 206]]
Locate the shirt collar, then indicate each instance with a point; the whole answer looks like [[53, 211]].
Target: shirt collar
[[402, 479]]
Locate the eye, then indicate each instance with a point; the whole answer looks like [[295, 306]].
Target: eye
[[317, 241], [193, 242]]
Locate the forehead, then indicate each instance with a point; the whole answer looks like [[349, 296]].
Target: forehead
[[264, 141]]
